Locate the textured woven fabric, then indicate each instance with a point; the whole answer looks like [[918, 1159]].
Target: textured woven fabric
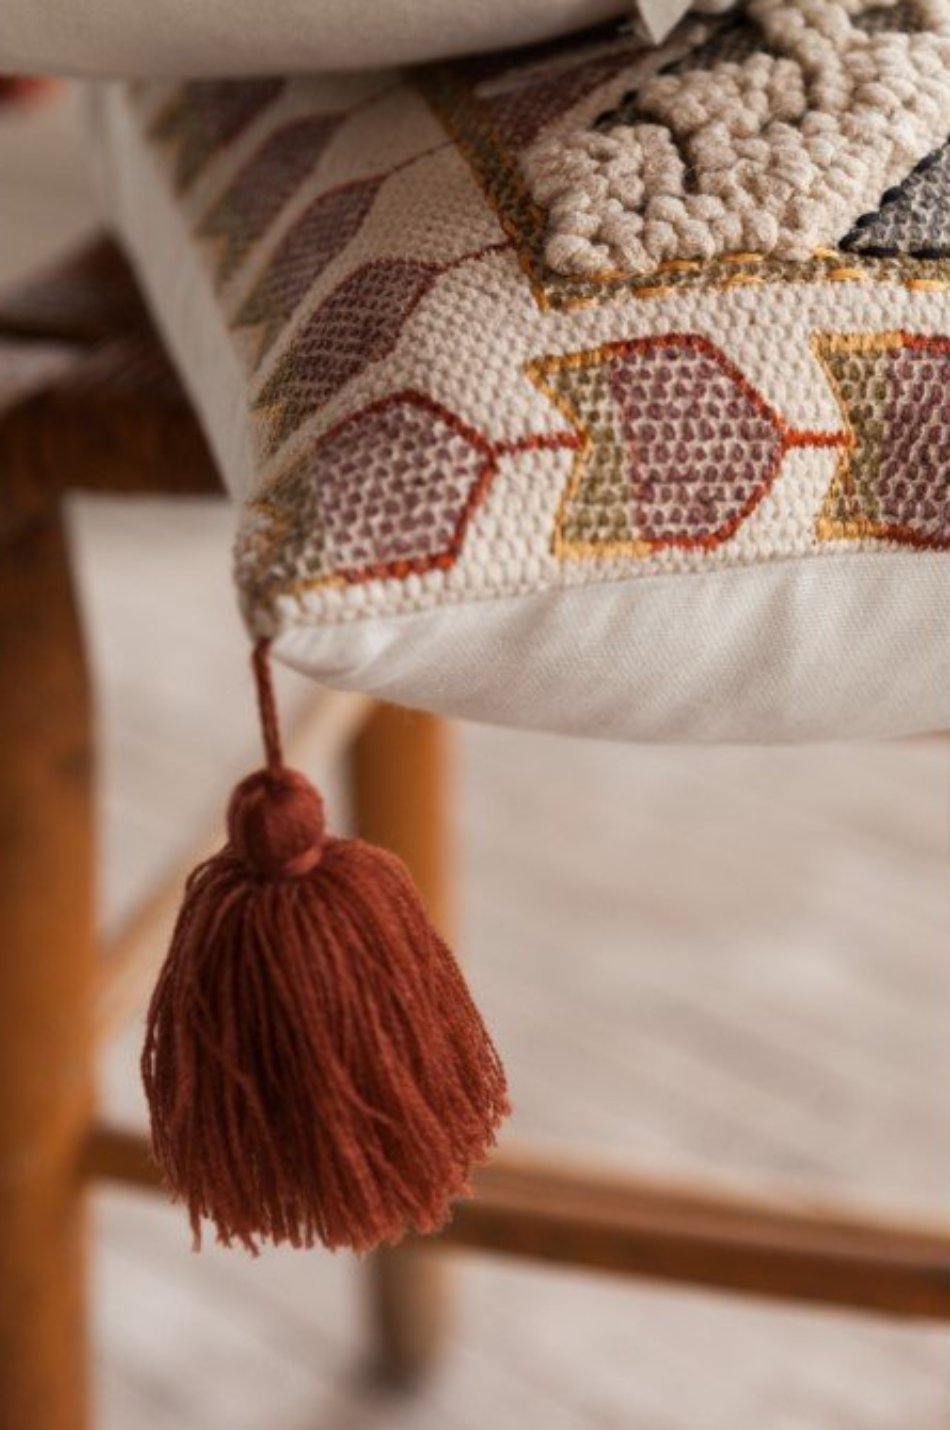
[[707, 498], [776, 128]]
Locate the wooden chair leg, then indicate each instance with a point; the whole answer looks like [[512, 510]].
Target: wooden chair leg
[[399, 784], [409, 1308], [46, 971]]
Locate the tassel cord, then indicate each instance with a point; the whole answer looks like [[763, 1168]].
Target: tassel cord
[[267, 707]]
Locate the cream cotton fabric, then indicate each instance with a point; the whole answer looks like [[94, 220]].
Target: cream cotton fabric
[[708, 500]]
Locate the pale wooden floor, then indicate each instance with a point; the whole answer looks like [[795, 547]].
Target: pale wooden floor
[[726, 962]]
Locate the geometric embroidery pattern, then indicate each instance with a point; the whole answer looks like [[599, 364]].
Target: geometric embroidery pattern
[[775, 150], [204, 116], [673, 448], [387, 492], [678, 447], [358, 324], [520, 102], [259, 190], [913, 218], [893, 478], [468, 99], [325, 227]]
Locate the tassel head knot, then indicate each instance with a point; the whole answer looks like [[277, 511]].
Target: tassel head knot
[[276, 824]]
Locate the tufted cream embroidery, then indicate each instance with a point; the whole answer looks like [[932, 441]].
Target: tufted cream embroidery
[[778, 149]]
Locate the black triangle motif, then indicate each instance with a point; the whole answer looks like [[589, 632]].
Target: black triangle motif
[[913, 218]]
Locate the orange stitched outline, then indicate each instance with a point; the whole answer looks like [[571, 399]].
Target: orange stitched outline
[[642, 546], [440, 560], [580, 440], [842, 490], [793, 273], [399, 569]]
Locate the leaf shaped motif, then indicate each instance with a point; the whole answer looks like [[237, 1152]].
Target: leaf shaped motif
[[263, 186], [204, 116], [680, 447], [893, 481], [387, 492], [358, 324], [323, 230]]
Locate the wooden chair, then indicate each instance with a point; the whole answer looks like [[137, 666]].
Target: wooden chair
[[89, 402]]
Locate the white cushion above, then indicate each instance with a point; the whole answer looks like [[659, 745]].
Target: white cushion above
[[241, 37]]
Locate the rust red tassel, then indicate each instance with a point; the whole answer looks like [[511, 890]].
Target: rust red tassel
[[315, 1067]]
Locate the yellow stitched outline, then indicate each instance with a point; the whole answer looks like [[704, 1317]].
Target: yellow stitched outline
[[841, 489], [537, 369], [552, 291], [884, 277]]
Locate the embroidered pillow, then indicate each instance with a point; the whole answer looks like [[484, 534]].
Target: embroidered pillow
[[595, 387]]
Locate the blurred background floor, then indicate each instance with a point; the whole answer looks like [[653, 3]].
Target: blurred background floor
[[727, 963]]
